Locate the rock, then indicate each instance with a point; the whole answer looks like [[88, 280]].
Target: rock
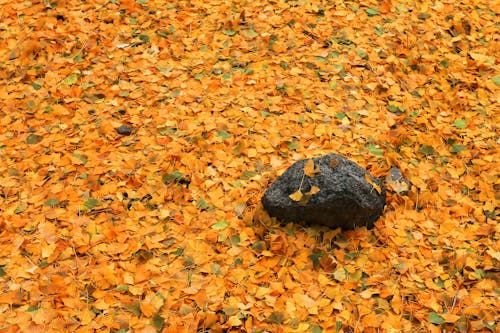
[[329, 190], [396, 182], [124, 130]]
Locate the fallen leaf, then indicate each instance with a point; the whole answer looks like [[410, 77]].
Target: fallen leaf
[[297, 195], [309, 169]]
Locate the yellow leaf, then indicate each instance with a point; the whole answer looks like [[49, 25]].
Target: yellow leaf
[[296, 196], [309, 169], [373, 184], [86, 316], [235, 321], [147, 309], [313, 190], [449, 318]]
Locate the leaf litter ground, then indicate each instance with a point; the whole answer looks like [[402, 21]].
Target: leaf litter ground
[[137, 138]]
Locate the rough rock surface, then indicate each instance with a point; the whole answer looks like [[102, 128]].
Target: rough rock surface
[[348, 196]]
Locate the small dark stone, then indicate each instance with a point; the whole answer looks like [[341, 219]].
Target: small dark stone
[[396, 182], [124, 130], [348, 196], [91, 111]]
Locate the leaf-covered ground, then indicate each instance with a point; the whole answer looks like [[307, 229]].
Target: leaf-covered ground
[[137, 138]]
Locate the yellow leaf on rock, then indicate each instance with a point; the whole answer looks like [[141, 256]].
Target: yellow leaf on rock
[[313, 190], [309, 169], [297, 195]]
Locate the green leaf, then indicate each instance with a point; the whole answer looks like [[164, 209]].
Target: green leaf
[[362, 54], [460, 123], [91, 203], [52, 202], [229, 32], [456, 148], [354, 115], [202, 204], [479, 273], [338, 326], [259, 246], [333, 54], [246, 175], [276, 317], [371, 11], [223, 135], [122, 287], [426, 150], [353, 8], [496, 80], [199, 76], [158, 322], [2, 271], [251, 33], [134, 308], [221, 225], [436, 319], [33, 139], [375, 150], [71, 80], [316, 329], [402, 8], [216, 269], [315, 256], [340, 115], [178, 252], [36, 86], [173, 176], [21, 208], [32, 308], [395, 109], [352, 255], [81, 157], [423, 16], [163, 34], [144, 38], [292, 145], [78, 58]]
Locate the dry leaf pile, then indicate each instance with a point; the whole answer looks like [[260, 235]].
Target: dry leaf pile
[[137, 138]]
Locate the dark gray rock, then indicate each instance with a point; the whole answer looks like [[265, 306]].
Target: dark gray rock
[[348, 196], [124, 130]]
